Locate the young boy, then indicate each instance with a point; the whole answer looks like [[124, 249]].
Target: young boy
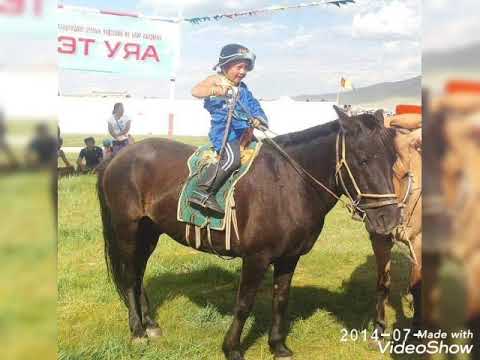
[[234, 63], [107, 149], [92, 155]]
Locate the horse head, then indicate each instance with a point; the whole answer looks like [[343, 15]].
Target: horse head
[[365, 156]]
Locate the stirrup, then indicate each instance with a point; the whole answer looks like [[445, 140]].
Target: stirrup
[[206, 201], [199, 198]]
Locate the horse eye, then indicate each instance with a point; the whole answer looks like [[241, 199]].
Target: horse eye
[[363, 162]]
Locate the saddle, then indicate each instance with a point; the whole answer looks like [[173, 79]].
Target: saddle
[[406, 121], [197, 218], [407, 176]]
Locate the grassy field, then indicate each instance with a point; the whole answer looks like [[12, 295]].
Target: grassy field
[[28, 267], [193, 293], [77, 140]]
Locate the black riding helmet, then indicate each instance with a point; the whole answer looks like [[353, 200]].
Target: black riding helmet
[[234, 52]]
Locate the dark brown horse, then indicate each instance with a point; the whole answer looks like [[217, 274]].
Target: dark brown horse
[[280, 214], [408, 186]]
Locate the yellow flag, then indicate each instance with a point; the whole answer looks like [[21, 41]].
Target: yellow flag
[[346, 84]]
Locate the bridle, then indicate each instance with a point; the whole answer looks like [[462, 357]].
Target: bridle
[[358, 197], [355, 207]]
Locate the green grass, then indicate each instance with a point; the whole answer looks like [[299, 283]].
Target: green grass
[[193, 293], [28, 271], [77, 140]]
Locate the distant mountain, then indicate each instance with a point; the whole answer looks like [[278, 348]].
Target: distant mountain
[[463, 59], [404, 89]]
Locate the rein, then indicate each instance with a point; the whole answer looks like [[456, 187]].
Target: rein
[[356, 209]]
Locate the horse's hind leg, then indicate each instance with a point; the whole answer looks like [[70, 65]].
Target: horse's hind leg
[[253, 271], [382, 247], [151, 326], [129, 285], [147, 239], [282, 278]]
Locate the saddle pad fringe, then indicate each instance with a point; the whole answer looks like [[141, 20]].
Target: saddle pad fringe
[[198, 237]]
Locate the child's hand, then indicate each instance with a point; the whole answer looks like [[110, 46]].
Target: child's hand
[[257, 124], [223, 90]]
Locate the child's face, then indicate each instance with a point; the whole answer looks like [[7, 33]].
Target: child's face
[[237, 71]]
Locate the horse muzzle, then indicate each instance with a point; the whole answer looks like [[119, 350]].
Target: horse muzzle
[[382, 220]]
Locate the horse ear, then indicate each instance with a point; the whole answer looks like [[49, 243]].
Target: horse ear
[[379, 117], [348, 124]]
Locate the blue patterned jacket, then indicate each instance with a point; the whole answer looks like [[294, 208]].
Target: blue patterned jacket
[[218, 109]]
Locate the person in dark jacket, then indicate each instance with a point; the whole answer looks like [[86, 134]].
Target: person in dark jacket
[[218, 91], [42, 150], [91, 154]]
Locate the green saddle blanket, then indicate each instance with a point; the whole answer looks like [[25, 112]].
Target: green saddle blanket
[[202, 157]]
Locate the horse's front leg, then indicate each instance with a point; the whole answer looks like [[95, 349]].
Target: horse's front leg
[[382, 248], [253, 271], [282, 278], [416, 284]]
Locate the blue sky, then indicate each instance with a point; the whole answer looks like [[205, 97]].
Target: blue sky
[[303, 51]]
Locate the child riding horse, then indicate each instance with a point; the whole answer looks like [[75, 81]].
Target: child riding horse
[[235, 62]]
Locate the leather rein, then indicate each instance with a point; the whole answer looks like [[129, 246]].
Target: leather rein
[[355, 206]]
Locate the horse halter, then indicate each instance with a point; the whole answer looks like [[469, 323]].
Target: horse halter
[[358, 208]]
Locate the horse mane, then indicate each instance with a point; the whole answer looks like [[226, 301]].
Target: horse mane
[[307, 135], [385, 135]]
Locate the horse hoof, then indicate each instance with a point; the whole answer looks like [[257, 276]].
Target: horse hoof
[[280, 351], [139, 340], [235, 355], [375, 345], [154, 332]]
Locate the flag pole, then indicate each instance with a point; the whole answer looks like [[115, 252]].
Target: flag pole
[[339, 91]]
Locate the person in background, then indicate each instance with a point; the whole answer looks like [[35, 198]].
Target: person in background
[[4, 147], [91, 154], [119, 127], [42, 149], [60, 152], [107, 149], [348, 109]]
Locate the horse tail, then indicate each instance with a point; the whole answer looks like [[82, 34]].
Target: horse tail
[[115, 268]]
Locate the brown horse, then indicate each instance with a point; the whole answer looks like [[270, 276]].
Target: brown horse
[[451, 249], [407, 182], [280, 214]]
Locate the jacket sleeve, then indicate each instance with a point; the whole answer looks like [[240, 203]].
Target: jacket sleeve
[[255, 107]]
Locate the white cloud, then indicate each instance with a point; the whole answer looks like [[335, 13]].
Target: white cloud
[[200, 7], [299, 40], [394, 20], [243, 30], [457, 22]]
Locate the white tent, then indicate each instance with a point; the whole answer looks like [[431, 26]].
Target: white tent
[[88, 115]]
